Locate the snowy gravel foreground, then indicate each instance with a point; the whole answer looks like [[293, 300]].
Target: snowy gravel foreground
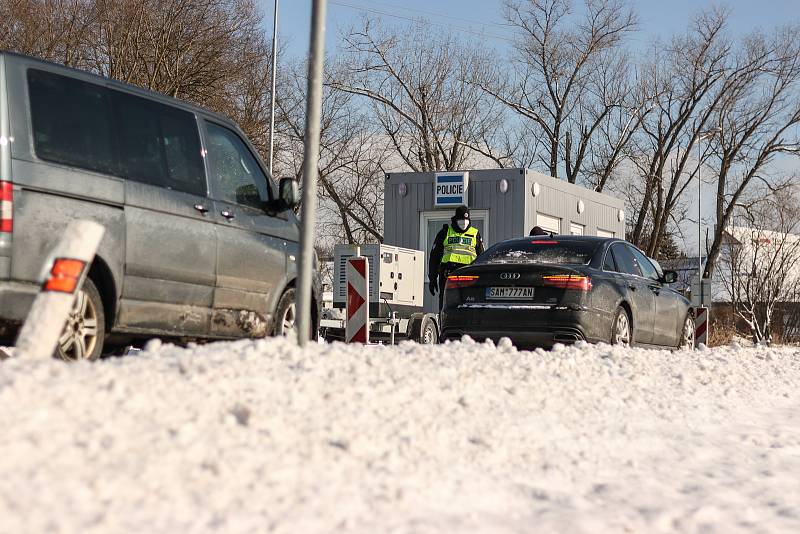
[[261, 436]]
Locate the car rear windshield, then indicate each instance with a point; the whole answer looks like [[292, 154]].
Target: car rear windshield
[[540, 251]]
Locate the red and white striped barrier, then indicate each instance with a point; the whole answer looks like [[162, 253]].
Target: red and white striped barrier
[[700, 326], [357, 277]]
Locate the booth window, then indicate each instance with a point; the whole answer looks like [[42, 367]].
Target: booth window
[[549, 223]]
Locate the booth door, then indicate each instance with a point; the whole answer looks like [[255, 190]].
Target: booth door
[[430, 224]]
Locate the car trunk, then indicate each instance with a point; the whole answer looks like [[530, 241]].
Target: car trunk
[[550, 285]]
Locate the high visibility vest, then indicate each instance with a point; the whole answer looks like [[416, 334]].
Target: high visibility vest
[[460, 247]]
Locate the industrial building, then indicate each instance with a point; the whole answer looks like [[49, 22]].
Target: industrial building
[[504, 203]]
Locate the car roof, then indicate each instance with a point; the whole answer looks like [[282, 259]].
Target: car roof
[[558, 237], [147, 93]]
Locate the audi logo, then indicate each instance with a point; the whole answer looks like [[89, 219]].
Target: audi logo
[[509, 276]]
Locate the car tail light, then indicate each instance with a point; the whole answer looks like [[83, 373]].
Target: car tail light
[[6, 207], [544, 242], [65, 275], [568, 281], [456, 281]]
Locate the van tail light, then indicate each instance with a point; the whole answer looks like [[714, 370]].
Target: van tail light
[[457, 281], [568, 281], [6, 207]]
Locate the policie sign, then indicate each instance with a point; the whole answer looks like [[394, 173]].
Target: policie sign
[[450, 189]]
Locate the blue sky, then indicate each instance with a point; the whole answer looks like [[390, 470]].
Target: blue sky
[[657, 17]]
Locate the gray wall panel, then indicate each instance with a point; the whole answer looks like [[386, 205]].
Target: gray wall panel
[[510, 215]]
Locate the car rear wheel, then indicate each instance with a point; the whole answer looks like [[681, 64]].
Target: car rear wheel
[[286, 314], [84, 333], [621, 328], [687, 334], [427, 332]]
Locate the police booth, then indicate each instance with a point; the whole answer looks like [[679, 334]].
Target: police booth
[[503, 203]]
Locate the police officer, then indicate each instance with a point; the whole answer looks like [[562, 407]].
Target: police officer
[[456, 245]]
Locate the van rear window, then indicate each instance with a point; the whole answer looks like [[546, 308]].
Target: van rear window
[[71, 122], [91, 127], [540, 251]]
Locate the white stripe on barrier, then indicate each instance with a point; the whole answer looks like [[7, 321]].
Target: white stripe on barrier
[[357, 309]]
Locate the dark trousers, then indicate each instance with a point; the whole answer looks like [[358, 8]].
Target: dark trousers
[[444, 271]]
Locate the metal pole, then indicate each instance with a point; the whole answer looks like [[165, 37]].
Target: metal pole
[[699, 232], [310, 163], [274, 76]]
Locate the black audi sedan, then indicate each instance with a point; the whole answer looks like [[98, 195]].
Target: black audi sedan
[[543, 290]]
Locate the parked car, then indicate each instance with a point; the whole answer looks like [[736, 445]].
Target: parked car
[[543, 290], [199, 242]]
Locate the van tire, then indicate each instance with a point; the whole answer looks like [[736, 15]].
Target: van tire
[[85, 331], [285, 314]]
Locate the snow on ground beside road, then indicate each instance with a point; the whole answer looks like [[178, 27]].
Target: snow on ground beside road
[[261, 436]]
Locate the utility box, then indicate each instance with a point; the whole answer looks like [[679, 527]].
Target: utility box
[[396, 278], [503, 203]]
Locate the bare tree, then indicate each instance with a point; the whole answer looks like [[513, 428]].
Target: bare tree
[[570, 75], [685, 83], [420, 87], [759, 120], [352, 155], [55, 30], [760, 263], [209, 52]]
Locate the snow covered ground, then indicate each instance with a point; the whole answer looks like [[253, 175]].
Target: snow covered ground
[[261, 436]]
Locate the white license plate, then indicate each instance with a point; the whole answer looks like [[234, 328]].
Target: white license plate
[[509, 293]]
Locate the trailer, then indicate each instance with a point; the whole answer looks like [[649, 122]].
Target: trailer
[[396, 296]]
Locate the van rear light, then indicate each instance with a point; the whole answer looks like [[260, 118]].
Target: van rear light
[[6, 207], [457, 281], [568, 281]]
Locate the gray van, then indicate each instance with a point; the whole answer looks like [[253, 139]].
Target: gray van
[[198, 243]]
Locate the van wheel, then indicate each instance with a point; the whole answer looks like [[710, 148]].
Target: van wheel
[[285, 314], [427, 332], [621, 328], [85, 331]]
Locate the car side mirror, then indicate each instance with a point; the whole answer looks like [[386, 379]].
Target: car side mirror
[[289, 192], [670, 277], [288, 197]]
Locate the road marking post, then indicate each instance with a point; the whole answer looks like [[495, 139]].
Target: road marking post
[[701, 326], [357, 316], [62, 276]]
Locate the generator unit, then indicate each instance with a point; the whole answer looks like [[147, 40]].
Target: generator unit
[[396, 278], [396, 294]]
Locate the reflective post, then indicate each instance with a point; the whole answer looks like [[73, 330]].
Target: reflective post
[[62, 277], [310, 164], [274, 76]]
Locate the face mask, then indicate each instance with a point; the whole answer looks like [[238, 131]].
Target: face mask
[[462, 224]]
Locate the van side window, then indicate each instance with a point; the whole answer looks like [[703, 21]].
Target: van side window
[[91, 127], [71, 122], [158, 144], [235, 175]]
